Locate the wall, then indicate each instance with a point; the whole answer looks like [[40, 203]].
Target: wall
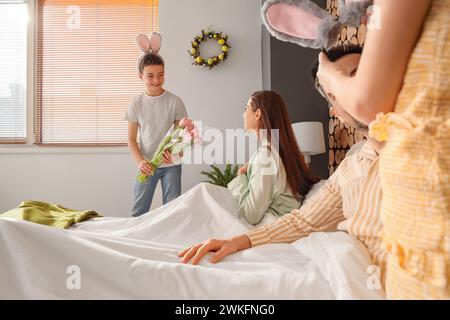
[[341, 136], [291, 77], [217, 96], [102, 180], [97, 181]]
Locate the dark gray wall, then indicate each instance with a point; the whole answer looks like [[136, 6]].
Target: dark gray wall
[[290, 76]]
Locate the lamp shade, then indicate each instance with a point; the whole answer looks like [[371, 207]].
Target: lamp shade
[[310, 137]]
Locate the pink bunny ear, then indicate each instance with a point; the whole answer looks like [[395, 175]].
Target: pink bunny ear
[[301, 22], [155, 42], [285, 17], [143, 43]]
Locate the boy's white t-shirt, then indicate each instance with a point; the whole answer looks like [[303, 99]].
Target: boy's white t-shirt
[[155, 116]]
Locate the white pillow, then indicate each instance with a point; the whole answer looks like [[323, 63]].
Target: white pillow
[[345, 262]]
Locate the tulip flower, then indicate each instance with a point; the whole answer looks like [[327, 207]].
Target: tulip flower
[[185, 135]]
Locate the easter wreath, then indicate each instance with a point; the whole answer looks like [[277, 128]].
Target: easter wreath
[[210, 62]]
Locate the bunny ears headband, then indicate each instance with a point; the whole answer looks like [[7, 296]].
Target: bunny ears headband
[[149, 45], [306, 24]]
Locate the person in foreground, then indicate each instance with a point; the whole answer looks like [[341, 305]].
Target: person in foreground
[[401, 91]]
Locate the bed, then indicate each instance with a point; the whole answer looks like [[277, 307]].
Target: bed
[[136, 258]]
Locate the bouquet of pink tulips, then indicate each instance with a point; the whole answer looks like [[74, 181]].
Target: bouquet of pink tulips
[[186, 134]]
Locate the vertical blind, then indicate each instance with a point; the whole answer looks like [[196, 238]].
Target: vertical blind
[[13, 66], [87, 68]]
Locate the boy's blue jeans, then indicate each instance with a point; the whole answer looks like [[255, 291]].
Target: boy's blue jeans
[[143, 192]]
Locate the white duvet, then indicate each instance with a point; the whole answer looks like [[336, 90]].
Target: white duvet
[[136, 258]]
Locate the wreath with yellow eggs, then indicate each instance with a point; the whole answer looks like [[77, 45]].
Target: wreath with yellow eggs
[[210, 62]]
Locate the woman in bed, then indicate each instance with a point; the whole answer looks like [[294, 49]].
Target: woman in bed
[[262, 185]]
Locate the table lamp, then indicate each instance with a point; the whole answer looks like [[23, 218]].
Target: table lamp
[[310, 138]]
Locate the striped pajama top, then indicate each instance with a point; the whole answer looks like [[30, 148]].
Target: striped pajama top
[[349, 201]]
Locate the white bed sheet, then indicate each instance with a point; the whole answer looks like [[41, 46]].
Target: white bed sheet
[[136, 258]]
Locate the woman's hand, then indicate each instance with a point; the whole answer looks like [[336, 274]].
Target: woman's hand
[[243, 170], [222, 248], [167, 157], [145, 167]]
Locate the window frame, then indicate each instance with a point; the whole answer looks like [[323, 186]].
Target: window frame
[[29, 78], [31, 62], [30, 145]]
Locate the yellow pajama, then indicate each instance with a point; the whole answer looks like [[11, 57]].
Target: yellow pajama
[[415, 169]]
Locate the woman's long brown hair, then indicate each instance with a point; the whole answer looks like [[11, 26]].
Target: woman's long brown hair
[[274, 115]]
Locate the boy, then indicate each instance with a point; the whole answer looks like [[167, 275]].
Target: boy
[[153, 112]]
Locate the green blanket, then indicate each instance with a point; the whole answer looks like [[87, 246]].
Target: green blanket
[[48, 214]]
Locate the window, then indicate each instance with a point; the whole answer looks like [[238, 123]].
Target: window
[[13, 66], [86, 68]]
